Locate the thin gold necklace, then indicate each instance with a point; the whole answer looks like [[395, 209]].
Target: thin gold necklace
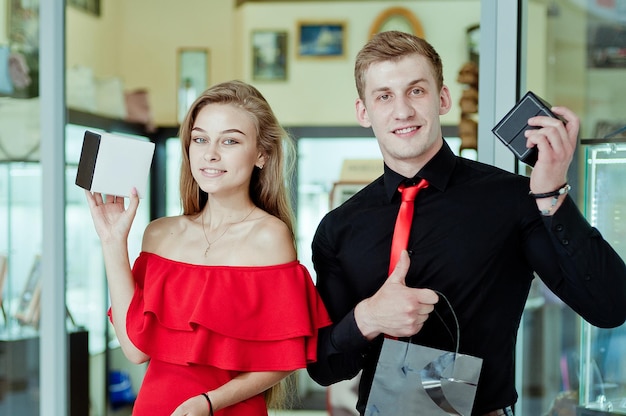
[[209, 243]]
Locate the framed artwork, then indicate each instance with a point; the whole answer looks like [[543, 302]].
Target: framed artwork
[[269, 55], [192, 77], [325, 39], [89, 6], [397, 18]]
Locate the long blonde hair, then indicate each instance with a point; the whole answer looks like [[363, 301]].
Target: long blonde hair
[[268, 187]]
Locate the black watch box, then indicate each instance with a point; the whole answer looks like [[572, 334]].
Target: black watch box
[[510, 130]]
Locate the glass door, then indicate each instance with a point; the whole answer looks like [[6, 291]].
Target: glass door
[[573, 54], [602, 363]]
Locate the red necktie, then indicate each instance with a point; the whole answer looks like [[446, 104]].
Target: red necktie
[[403, 221]]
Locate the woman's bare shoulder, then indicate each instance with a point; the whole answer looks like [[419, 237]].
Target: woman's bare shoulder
[[162, 231], [272, 240]]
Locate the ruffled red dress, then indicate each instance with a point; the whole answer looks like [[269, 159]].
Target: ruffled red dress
[[204, 325]]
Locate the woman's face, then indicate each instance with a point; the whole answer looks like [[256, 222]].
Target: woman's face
[[223, 149]]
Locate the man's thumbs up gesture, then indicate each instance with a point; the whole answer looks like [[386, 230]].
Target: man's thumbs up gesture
[[395, 309]]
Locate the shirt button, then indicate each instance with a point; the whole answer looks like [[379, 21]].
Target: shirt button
[[565, 241], [559, 227], [587, 277]]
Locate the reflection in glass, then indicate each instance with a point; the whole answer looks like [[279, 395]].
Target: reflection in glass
[[602, 364]]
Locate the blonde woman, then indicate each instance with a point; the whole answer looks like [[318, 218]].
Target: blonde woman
[[217, 300]]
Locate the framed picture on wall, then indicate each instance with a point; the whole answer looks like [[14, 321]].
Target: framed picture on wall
[[397, 18], [192, 77], [321, 39], [269, 55]]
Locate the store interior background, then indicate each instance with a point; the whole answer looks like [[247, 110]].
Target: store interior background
[[135, 45]]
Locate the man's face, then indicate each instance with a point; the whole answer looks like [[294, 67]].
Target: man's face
[[402, 105]]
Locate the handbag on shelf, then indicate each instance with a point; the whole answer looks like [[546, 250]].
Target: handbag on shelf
[[412, 379]]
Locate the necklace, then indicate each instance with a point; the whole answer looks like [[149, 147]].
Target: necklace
[[209, 243]]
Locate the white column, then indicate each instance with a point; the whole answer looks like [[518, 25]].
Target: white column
[[498, 93], [498, 79], [53, 348]]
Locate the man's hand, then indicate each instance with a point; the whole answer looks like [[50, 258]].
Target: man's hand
[[396, 309], [556, 143]]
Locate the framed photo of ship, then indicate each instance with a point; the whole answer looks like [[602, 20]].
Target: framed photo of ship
[[322, 39]]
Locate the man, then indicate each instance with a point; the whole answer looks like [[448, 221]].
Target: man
[[478, 236]]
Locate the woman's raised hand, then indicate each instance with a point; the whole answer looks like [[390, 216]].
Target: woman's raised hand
[[110, 216]]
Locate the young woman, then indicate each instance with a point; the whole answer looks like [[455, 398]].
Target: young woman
[[216, 301]]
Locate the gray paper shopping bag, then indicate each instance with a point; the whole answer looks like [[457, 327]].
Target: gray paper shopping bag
[[412, 379]]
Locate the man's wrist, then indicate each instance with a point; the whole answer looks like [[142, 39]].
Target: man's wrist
[[363, 319], [563, 189], [549, 202]]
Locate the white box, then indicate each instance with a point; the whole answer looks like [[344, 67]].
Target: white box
[[112, 164]]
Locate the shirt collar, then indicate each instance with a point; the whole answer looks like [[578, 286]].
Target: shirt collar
[[437, 172]]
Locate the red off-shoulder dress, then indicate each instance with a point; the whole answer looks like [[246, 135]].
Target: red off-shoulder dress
[[204, 325]]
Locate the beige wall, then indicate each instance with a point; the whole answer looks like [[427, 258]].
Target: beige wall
[[91, 41], [321, 91], [137, 41]]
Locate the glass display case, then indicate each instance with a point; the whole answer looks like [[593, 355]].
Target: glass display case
[[602, 364], [20, 295], [91, 335]]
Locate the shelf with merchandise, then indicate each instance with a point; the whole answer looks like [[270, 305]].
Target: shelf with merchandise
[[21, 211]]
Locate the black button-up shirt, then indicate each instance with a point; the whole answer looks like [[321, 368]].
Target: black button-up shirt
[[478, 238]]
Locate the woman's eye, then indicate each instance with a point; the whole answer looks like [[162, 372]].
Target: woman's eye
[[230, 141], [198, 139], [384, 97]]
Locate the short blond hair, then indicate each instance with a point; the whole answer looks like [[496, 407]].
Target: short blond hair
[[393, 46]]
